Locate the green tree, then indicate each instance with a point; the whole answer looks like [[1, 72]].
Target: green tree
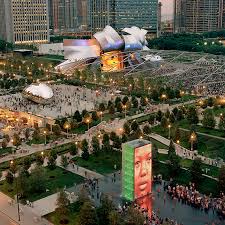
[[147, 129], [114, 218], [4, 143], [64, 161], [221, 124], [221, 179], [126, 128], [56, 129], [134, 102], [104, 210], [16, 140], [172, 118], [171, 150], [85, 149], [164, 122], [143, 101], [174, 164], [73, 149], [209, 119], [119, 107], [62, 204], [117, 142], [179, 115], [101, 107], [95, 145], [124, 138], [94, 116], [9, 177], [134, 125], [177, 134], [51, 163], [192, 115], [134, 217], [88, 215], [106, 142], [112, 109], [37, 180], [26, 163], [196, 170], [159, 116], [77, 116], [151, 119]]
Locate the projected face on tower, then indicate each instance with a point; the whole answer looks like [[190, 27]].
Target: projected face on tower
[[142, 171]]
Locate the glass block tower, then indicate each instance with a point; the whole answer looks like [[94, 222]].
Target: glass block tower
[[136, 157]]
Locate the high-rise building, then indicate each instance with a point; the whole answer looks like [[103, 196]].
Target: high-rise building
[[50, 14], [64, 16], [198, 15], [24, 21], [82, 14], [140, 13], [123, 13], [100, 14]]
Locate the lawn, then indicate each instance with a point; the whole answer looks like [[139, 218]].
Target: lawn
[[55, 179], [215, 132], [4, 151], [103, 163], [218, 111]]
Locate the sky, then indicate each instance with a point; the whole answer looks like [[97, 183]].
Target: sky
[[167, 9]]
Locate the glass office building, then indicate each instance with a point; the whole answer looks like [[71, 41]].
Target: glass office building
[[140, 13]]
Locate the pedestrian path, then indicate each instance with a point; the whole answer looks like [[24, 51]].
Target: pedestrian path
[[207, 135], [27, 215]]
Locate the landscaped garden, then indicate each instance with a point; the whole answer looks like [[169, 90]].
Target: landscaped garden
[[50, 182]]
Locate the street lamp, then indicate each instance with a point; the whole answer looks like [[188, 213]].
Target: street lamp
[[193, 137], [101, 115], [125, 108], [163, 98], [169, 126], [178, 142], [45, 132], [17, 196], [88, 121]]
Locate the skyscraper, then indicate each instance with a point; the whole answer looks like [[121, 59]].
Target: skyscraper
[[140, 13], [64, 15], [123, 13], [197, 15], [24, 21], [100, 14]]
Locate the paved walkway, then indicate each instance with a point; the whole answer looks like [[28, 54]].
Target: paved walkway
[[207, 135], [28, 217]]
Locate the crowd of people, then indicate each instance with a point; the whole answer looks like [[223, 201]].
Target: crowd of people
[[66, 100], [189, 195]]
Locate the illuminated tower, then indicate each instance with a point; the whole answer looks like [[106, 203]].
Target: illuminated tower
[[136, 169], [24, 21]]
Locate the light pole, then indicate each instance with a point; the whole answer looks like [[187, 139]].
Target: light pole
[[17, 197], [125, 108], [88, 121], [45, 132], [169, 126], [192, 140], [101, 115]]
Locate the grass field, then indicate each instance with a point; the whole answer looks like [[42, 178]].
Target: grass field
[[103, 163], [55, 180]]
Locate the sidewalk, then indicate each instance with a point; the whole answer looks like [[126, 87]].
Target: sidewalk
[[28, 217]]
